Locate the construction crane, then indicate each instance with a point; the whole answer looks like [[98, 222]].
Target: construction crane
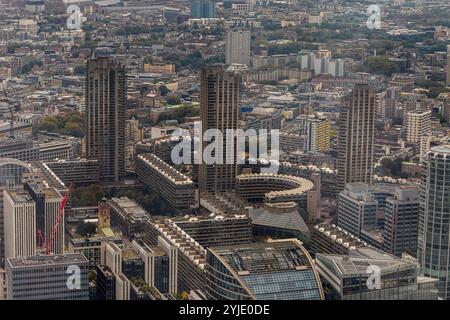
[[41, 239], [46, 244]]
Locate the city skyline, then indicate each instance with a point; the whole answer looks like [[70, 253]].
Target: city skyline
[[252, 151]]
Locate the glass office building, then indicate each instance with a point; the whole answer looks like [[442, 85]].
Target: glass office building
[[371, 274], [276, 270], [434, 218], [203, 8], [49, 277]]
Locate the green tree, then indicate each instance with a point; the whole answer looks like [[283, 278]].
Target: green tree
[[380, 65], [80, 70], [436, 91], [163, 90], [86, 228], [68, 124], [87, 196], [173, 100]]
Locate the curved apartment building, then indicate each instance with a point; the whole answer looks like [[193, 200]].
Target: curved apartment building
[[272, 188]]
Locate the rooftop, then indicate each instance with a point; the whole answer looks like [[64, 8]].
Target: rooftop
[[163, 168], [187, 245], [283, 215], [20, 197], [441, 149], [47, 260], [340, 235], [361, 258], [128, 207], [259, 258]]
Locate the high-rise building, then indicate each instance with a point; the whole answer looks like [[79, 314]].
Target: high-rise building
[[203, 8], [48, 221], [448, 65], [238, 47], [418, 125], [390, 102], [357, 208], [219, 109], [11, 171], [434, 226], [52, 277], [356, 137], [20, 224], [105, 116], [318, 134], [400, 221]]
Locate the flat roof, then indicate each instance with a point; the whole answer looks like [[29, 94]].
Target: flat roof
[[47, 260], [20, 197]]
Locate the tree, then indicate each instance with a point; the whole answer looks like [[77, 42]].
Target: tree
[[380, 65], [92, 276], [392, 167], [87, 196], [69, 124], [181, 113], [73, 129], [80, 70], [436, 91], [184, 295], [163, 90], [28, 67], [86, 228], [173, 100], [193, 60]]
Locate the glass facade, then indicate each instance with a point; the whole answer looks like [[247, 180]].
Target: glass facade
[[434, 218], [348, 277], [162, 273], [47, 278], [262, 272], [11, 171], [287, 285], [203, 8]]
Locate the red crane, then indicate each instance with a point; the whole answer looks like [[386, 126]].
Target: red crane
[[48, 244], [41, 239]]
